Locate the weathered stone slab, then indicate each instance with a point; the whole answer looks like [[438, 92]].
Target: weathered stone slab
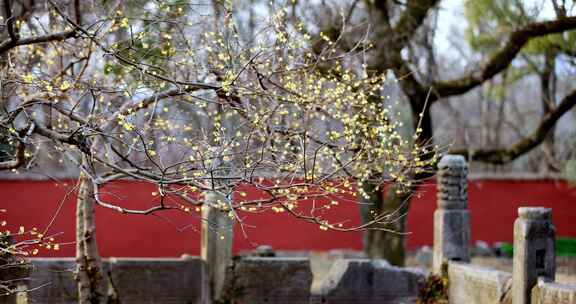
[[546, 292], [451, 237], [136, 280], [170, 281], [369, 281], [478, 285], [52, 281], [253, 280], [13, 277]]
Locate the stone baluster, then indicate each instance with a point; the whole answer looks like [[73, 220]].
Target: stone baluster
[[534, 251], [451, 218]]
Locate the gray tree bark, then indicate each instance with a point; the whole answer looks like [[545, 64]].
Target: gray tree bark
[[89, 271], [385, 244]]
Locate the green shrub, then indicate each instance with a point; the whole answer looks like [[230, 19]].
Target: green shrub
[[565, 246]]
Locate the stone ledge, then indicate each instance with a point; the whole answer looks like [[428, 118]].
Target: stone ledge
[[269, 280], [369, 281], [478, 285], [547, 292], [138, 280]]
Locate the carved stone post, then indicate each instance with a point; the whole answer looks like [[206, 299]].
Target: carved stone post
[[217, 240], [451, 219], [534, 251]]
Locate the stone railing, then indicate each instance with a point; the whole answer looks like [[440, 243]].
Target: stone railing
[[369, 281], [216, 276], [547, 292], [248, 280], [531, 280], [156, 280]]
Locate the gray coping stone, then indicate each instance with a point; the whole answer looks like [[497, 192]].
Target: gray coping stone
[[478, 285], [546, 292], [535, 213], [452, 161], [269, 280], [137, 280], [370, 281]]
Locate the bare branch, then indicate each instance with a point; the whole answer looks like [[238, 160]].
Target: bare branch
[[410, 21], [10, 44], [10, 21], [502, 58], [14, 163], [503, 156]]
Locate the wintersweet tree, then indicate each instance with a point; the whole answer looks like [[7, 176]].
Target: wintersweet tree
[[164, 93]]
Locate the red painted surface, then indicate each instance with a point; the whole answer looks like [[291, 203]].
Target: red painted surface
[[493, 206]]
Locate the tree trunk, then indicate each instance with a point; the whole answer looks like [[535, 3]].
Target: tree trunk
[[389, 243], [548, 89], [385, 244], [89, 272]]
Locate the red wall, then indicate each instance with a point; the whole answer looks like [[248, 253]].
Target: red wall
[[493, 206]]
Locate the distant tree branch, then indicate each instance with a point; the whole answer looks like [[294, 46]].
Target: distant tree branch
[[410, 21], [14, 39], [394, 38], [10, 43], [75, 138], [409, 83], [9, 21], [14, 163], [502, 58], [131, 108], [503, 156]]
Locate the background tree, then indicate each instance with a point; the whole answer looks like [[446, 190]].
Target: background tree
[[505, 33], [542, 61]]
